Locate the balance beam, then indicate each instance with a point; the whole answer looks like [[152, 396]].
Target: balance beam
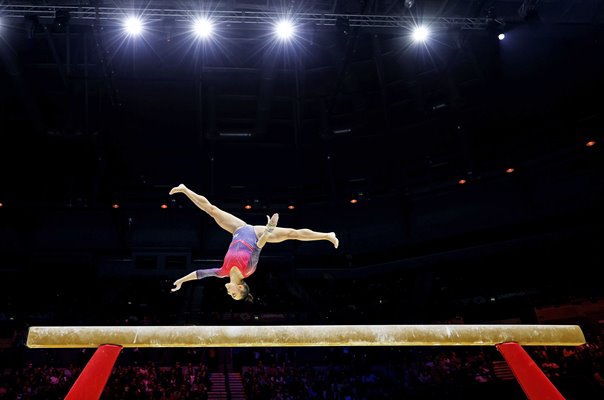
[[303, 336]]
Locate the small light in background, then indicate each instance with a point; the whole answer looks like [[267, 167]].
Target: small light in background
[[247, 206], [164, 206], [462, 181], [115, 206], [509, 170], [353, 201], [591, 143], [61, 19]]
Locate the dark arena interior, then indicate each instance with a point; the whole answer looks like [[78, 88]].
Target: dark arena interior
[[462, 173]]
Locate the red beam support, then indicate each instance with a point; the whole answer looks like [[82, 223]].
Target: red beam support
[[533, 381], [92, 380]]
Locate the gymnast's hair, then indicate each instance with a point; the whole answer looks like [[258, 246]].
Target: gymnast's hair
[[247, 296]]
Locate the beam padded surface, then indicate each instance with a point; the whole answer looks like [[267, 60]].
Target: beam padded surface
[[303, 335]]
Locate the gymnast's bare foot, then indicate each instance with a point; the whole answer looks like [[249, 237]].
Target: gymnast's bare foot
[[272, 223], [178, 189], [331, 236]]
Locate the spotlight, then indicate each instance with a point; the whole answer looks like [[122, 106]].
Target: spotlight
[[285, 29], [133, 26], [203, 28], [420, 34]]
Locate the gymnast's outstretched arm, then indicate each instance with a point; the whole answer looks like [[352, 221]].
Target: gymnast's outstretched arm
[[198, 274]]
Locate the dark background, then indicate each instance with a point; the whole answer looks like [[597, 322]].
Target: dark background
[[352, 108], [90, 118]]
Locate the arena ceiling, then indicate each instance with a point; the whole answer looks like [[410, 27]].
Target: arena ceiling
[[351, 107]]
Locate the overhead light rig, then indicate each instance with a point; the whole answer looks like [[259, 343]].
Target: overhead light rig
[[115, 15]]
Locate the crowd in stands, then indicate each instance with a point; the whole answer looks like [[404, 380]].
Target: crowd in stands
[[127, 382], [410, 373]]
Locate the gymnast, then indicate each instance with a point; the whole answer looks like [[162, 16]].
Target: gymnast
[[242, 256]]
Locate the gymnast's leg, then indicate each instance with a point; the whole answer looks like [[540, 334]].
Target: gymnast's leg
[[226, 221], [279, 235]]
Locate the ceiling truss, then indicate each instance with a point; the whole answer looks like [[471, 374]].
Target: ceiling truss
[[114, 15]]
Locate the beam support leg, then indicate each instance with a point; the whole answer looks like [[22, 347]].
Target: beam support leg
[[92, 380], [533, 381]]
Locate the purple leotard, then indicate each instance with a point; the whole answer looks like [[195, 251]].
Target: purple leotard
[[243, 253]]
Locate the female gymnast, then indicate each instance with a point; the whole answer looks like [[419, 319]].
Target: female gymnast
[[242, 256]]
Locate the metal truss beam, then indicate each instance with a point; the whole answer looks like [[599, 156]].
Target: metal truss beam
[[114, 15]]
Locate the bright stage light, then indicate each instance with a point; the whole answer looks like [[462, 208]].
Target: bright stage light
[[285, 30], [133, 26], [420, 34], [203, 28]]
